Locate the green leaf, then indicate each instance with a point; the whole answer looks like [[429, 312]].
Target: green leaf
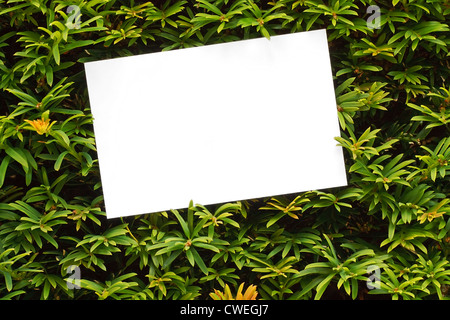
[[265, 33], [62, 137], [275, 218], [3, 168], [183, 223], [190, 257], [30, 100], [210, 7], [55, 52], [59, 160], [206, 246], [8, 280], [199, 261], [17, 155], [322, 286]]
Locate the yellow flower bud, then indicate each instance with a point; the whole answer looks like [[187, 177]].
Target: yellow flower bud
[[43, 125]]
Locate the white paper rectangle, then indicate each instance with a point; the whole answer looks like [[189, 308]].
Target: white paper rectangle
[[217, 123]]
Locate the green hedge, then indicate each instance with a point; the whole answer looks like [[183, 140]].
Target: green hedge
[[393, 102]]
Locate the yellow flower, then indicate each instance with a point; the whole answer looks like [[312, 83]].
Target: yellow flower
[[43, 125], [250, 293]]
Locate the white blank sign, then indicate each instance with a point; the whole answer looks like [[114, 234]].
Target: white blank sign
[[213, 124]]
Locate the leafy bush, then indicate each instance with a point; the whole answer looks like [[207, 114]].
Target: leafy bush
[[386, 235]]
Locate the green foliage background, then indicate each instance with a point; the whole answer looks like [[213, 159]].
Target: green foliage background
[[393, 103]]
